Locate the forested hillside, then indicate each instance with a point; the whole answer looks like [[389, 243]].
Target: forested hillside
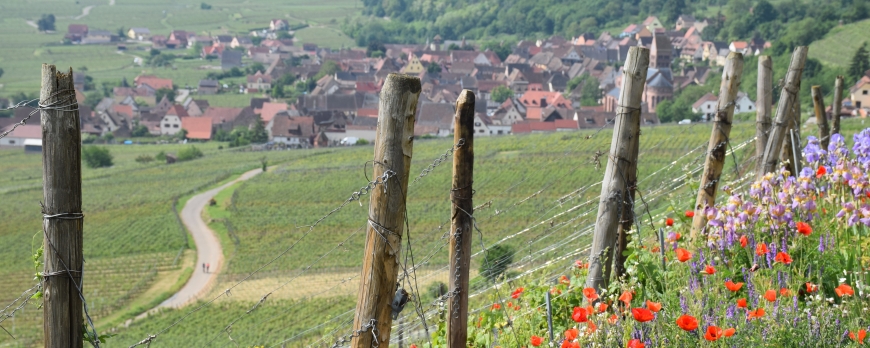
[[785, 23]]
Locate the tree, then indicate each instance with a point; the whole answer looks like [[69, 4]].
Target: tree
[[96, 157], [501, 93], [140, 130], [1, 72], [327, 68], [254, 68], [189, 153], [46, 23], [433, 68], [93, 98], [169, 93], [860, 62], [258, 134], [496, 260], [204, 6]]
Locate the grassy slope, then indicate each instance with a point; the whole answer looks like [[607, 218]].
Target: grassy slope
[[24, 47], [838, 46]]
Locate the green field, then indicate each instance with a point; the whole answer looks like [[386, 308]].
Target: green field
[[838, 46], [25, 48]]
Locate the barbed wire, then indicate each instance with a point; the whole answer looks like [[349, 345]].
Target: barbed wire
[[60, 105], [444, 157]]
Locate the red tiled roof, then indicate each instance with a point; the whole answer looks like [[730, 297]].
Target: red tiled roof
[[123, 109], [26, 131], [197, 127], [270, 109], [220, 115], [177, 110], [154, 81]]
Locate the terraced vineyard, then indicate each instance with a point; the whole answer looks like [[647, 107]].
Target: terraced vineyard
[[132, 237]]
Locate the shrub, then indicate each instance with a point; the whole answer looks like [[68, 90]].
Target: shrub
[[161, 156], [144, 159], [496, 261], [189, 153], [362, 142], [96, 157]]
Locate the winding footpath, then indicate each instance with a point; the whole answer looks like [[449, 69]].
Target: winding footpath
[[208, 247]]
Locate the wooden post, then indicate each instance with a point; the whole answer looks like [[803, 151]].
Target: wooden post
[[63, 221], [763, 105], [719, 139], [821, 117], [788, 96], [627, 216], [836, 106], [793, 125], [393, 149], [461, 223], [613, 188]]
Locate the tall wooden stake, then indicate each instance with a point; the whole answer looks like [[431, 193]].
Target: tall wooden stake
[[788, 96], [792, 126], [821, 116], [461, 223], [836, 106], [393, 149], [719, 139], [763, 105], [613, 188], [627, 216], [62, 194]]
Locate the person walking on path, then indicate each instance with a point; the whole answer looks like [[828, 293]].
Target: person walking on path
[[203, 267], [207, 266]]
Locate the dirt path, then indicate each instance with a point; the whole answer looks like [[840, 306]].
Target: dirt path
[[85, 11], [208, 247]]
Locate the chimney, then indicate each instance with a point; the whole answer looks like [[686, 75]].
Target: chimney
[[543, 102]]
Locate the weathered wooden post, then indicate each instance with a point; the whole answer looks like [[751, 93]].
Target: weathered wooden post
[[836, 106], [62, 210], [763, 105], [614, 188], [461, 222], [784, 108], [627, 216], [392, 160], [719, 139], [792, 128], [821, 116]]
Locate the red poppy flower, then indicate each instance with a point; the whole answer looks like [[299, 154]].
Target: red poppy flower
[[602, 307], [590, 294], [579, 315], [669, 222], [844, 290], [709, 270], [729, 332], [683, 255], [635, 343], [770, 295], [758, 313], [743, 241], [581, 264], [741, 303], [613, 318], [784, 292], [510, 304], [821, 172], [555, 291], [496, 306], [713, 333], [653, 306], [804, 228], [859, 337], [564, 280], [655, 249], [413, 346], [570, 344], [591, 327], [536, 341], [677, 236], [811, 288], [760, 249], [626, 297], [783, 257], [687, 322], [642, 314], [590, 310], [734, 287], [571, 334], [516, 294], [517, 307], [690, 213]]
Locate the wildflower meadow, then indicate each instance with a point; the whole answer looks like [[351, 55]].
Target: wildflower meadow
[[780, 263]]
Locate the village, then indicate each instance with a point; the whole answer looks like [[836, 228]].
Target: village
[[556, 84]]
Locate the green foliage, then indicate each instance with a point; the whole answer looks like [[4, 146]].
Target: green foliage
[[496, 261], [501, 93], [1, 72], [680, 108], [860, 62], [96, 157], [259, 134], [189, 153], [161, 156], [436, 290], [328, 68], [165, 92], [140, 130], [204, 6], [46, 23], [145, 159], [93, 98], [433, 68]]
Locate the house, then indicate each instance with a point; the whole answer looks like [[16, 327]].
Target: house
[[198, 128], [230, 118], [97, 37], [179, 39], [743, 103], [171, 122], [259, 82], [153, 82], [659, 86], [860, 93], [141, 34], [21, 134], [740, 47], [207, 87], [363, 127], [435, 119], [414, 66], [242, 41], [544, 127], [293, 131], [231, 59], [196, 107], [685, 22], [543, 99], [269, 110], [652, 23], [212, 51], [278, 24], [76, 32], [706, 106]]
